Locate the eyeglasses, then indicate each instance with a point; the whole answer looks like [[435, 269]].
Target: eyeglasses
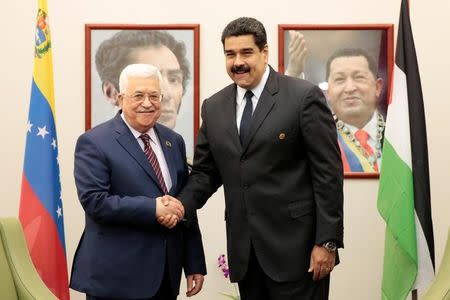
[[140, 97]]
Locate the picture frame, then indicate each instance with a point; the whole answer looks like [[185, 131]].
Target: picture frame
[[173, 48], [333, 56]]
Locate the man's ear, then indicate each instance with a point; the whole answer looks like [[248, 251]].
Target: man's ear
[[379, 86], [119, 100], [110, 92], [265, 50]]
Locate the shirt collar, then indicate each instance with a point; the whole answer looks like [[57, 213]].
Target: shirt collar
[[370, 127], [151, 132], [257, 90]]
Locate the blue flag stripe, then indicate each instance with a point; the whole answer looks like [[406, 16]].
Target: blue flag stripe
[[41, 167], [353, 161]]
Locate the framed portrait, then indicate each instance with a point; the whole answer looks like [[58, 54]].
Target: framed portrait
[[352, 64], [174, 49]]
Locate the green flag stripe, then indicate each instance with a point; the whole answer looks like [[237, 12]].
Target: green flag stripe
[[396, 205], [399, 270]]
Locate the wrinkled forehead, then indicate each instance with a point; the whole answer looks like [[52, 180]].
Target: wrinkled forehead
[[344, 64], [144, 84], [239, 42]]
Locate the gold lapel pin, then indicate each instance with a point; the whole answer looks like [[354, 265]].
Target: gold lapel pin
[[282, 136], [168, 144]]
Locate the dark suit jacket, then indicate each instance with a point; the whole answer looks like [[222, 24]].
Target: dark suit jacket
[[283, 188], [123, 249]]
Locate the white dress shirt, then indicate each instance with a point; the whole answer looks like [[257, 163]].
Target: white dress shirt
[[156, 146], [241, 101]]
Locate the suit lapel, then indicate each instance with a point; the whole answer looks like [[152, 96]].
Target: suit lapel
[[265, 104], [127, 140], [167, 144]]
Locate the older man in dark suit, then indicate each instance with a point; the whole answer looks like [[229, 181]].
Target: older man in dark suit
[[271, 141], [122, 168]]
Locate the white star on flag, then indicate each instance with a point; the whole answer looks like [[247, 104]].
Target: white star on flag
[[29, 125], [53, 144], [59, 211], [42, 131]]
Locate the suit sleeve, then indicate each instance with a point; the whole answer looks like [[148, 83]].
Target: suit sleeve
[[204, 179], [194, 258], [194, 255], [92, 178], [320, 137]]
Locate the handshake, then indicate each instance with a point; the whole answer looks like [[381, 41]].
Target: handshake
[[169, 211]]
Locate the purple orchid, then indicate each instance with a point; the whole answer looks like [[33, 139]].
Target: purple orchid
[[222, 262], [223, 266]]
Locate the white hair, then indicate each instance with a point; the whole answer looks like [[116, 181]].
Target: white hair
[[137, 70]]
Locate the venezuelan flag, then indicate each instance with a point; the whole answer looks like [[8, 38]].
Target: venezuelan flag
[[41, 211]]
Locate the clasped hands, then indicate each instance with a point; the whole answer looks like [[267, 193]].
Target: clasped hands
[[169, 211]]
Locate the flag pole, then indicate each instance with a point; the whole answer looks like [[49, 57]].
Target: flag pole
[[413, 292]]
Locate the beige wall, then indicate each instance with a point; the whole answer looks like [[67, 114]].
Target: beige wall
[[358, 277]]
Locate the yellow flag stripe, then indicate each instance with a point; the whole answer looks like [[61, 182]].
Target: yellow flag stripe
[[43, 65]]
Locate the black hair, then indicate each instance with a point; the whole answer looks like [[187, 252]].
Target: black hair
[[351, 52], [245, 26]]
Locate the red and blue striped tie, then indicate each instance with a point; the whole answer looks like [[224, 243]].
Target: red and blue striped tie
[[153, 161]]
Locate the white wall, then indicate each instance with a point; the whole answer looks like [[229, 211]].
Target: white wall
[[358, 277]]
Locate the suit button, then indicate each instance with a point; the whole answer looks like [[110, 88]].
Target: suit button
[[245, 186], [243, 158]]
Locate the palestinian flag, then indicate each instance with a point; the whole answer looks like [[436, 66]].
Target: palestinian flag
[[404, 192]]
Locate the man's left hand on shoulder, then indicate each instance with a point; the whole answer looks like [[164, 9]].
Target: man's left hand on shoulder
[[323, 260]]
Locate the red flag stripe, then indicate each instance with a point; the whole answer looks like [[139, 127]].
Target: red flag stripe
[[43, 243]]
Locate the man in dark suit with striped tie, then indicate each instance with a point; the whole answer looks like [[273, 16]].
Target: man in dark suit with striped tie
[[122, 168]]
